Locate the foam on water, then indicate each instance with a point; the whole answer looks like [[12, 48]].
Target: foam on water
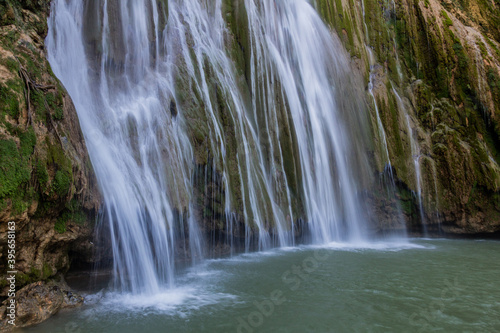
[[173, 301], [376, 246]]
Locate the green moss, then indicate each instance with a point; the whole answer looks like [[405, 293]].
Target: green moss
[[38, 102], [3, 204], [74, 212], [11, 64], [46, 271], [462, 57], [55, 104], [21, 201], [56, 156], [10, 102], [34, 68], [493, 78], [28, 142], [494, 82], [11, 38], [60, 226], [16, 85], [493, 46], [482, 48], [62, 183], [446, 19], [496, 201], [408, 208], [14, 171], [32, 276], [41, 174]]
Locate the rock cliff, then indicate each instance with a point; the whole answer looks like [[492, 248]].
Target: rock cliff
[[47, 186], [434, 67]]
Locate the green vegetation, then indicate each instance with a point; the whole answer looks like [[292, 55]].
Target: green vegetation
[[41, 174], [446, 19], [14, 171], [62, 182], [494, 82], [10, 103], [73, 212], [60, 225], [11, 64], [55, 104], [28, 142], [35, 275]]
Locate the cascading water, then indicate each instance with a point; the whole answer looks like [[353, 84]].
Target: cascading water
[[386, 178], [291, 43], [380, 126], [138, 153], [415, 154], [146, 81]]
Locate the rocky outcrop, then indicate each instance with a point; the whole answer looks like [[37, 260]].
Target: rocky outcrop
[[47, 186], [435, 77], [36, 303]]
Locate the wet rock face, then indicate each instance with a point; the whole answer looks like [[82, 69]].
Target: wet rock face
[[436, 72], [47, 186], [37, 302]]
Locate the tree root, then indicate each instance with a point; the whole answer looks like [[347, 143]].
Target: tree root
[[30, 85]]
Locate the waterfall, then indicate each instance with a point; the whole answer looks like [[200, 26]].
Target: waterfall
[[415, 154], [291, 43], [161, 103]]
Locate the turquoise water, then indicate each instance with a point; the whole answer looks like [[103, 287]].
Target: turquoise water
[[419, 286]]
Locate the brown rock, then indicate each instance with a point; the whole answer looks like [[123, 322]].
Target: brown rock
[[37, 302]]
